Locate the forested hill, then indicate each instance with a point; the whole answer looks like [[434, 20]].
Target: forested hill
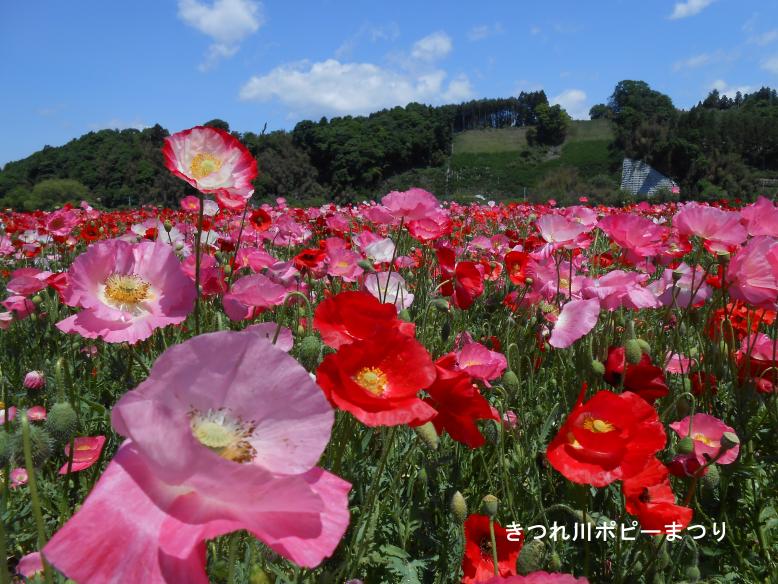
[[503, 147]]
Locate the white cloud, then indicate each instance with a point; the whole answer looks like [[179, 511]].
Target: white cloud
[[771, 64], [535, 30], [693, 62], [689, 8], [227, 22], [574, 101], [726, 89], [332, 87], [764, 38], [386, 32], [484, 31], [432, 47]]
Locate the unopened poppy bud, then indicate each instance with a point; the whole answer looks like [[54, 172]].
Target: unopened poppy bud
[[62, 422], [227, 270], [729, 440], [37, 300], [258, 576], [179, 246], [677, 275], [529, 281], [405, 315], [633, 352], [366, 265], [510, 380], [34, 380], [644, 346], [458, 507], [300, 330], [310, 349], [597, 367], [490, 505], [555, 562], [693, 574], [168, 225], [709, 487], [441, 304], [219, 255], [427, 433], [531, 557], [40, 443], [685, 446]]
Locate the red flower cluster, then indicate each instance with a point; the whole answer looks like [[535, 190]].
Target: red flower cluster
[[478, 561], [460, 280]]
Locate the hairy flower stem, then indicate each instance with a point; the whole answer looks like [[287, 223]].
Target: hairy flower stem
[[197, 262], [494, 547], [4, 578], [36, 505]]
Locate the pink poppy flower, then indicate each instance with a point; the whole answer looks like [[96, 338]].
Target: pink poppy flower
[[190, 203], [578, 318], [343, 264], [560, 231], [6, 318], [706, 432], [641, 237], [215, 445], [126, 291], [214, 162], [761, 217], [412, 205], [87, 452], [394, 287], [30, 565], [481, 363], [21, 306], [618, 288], [252, 295], [36, 413], [681, 287], [677, 363], [720, 229], [25, 285], [751, 276], [61, 222], [18, 477], [436, 224]]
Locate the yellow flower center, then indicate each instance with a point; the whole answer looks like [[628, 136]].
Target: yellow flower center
[[126, 289], [704, 439], [597, 425], [224, 434], [203, 164], [372, 379]]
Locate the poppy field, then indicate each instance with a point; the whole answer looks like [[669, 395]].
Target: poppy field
[[404, 390]]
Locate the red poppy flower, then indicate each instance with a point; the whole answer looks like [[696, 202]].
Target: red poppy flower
[[352, 316], [458, 403], [703, 383], [310, 259], [516, 266], [463, 281], [260, 220], [478, 561], [90, 233], [737, 321], [378, 380], [649, 496], [645, 379], [610, 437]]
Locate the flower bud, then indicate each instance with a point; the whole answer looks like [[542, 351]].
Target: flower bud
[[227, 270], [644, 346], [37, 300], [35, 380], [510, 380], [168, 225], [459, 507], [529, 281], [366, 265], [41, 444], [531, 557], [633, 351], [709, 487], [692, 574], [441, 304], [427, 433], [597, 367], [555, 562], [685, 445], [310, 349], [490, 505], [405, 315], [179, 245], [258, 576], [62, 422]]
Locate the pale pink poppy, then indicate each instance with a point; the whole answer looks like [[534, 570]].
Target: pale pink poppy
[[706, 432], [389, 288], [559, 230], [255, 259], [378, 214], [413, 204], [618, 289], [711, 224], [224, 435], [86, 452], [30, 565], [20, 306], [213, 161], [677, 363], [681, 287], [640, 236], [126, 291], [18, 477], [25, 285], [252, 295], [751, 276], [36, 413], [6, 318], [481, 363], [761, 217], [343, 264], [578, 317]]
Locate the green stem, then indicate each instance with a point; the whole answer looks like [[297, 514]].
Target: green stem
[[36, 505], [197, 262], [494, 547]]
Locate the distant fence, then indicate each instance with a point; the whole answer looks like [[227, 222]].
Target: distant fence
[[640, 178]]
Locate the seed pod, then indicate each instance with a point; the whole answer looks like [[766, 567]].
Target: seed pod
[[490, 505], [168, 225], [510, 380], [62, 422], [428, 435], [644, 346], [531, 557], [685, 446], [633, 351], [459, 507], [597, 367]]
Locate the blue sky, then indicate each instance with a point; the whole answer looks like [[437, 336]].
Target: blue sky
[[72, 67]]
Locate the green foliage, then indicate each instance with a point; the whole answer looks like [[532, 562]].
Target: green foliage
[[551, 128]]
